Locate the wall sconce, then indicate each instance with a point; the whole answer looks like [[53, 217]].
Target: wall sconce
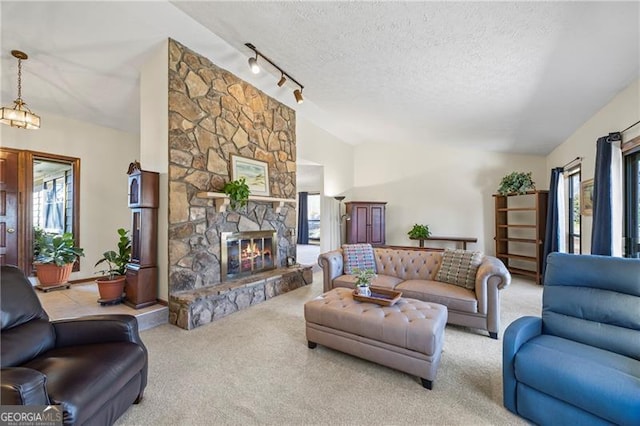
[[19, 115], [255, 68]]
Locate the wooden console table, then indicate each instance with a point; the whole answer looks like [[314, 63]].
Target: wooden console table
[[463, 240]]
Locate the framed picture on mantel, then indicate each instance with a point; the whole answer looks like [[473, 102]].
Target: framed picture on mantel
[[255, 172]]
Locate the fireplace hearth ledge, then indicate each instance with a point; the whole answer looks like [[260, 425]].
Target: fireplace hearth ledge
[[192, 308]]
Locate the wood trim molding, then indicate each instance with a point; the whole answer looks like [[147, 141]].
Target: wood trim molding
[[631, 145]]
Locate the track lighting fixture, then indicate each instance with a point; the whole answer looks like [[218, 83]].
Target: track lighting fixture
[[253, 64], [284, 77], [282, 80]]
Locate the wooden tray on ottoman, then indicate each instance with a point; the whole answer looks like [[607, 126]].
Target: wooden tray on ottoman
[[380, 296]]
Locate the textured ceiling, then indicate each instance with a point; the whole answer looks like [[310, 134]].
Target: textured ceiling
[[506, 76]]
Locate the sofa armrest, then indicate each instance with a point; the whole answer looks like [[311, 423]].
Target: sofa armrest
[[332, 267], [23, 386], [97, 329], [517, 334], [492, 276]]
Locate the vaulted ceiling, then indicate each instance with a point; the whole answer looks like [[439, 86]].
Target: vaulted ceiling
[[504, 76]]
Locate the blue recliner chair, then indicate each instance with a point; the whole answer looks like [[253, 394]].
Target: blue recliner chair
[[580, 363]]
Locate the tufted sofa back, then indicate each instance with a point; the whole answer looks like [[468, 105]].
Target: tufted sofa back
[[407, 264]]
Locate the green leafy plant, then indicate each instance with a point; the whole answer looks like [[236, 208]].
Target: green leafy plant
[[55, 248], [117, 261], [419, 231], [364, 276], [238, 192], [516, 183]]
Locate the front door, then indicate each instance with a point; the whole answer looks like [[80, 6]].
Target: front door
[[8, 207]]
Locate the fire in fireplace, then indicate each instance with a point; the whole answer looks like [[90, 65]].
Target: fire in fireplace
[[245, 253]]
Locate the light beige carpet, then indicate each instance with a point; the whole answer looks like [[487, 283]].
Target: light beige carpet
[[254, 367]]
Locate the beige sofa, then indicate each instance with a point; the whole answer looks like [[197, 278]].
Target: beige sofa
[[414, 271]]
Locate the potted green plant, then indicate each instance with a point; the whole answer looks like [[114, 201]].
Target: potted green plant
[[54, 256], [238, 192], [516, 183], [363, 281], [111, 286], [419, 232]]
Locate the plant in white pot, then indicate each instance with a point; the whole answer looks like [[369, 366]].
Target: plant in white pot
[[363, 281], [54, 256], [111, 286]]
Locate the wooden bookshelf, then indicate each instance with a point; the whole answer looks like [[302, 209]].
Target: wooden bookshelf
[[521, 221]]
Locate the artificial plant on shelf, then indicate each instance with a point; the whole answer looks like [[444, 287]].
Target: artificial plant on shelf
[[419, 232], [238, 192], [516, 183]]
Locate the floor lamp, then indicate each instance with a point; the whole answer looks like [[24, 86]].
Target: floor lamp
[[340, 215]]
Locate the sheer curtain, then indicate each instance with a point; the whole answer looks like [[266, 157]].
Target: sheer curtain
[[606, 234], [330, 228]]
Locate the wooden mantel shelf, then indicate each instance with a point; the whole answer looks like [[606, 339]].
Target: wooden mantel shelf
[[222, 200]]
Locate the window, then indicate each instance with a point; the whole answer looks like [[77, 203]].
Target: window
[[313, 217], [573, 214], [632, 204]]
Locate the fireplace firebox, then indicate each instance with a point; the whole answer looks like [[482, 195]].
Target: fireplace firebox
[[245, 253]]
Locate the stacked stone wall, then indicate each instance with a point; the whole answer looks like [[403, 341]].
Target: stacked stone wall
[[212, 115]]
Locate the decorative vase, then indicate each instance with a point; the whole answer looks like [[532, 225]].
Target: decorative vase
[[363, 290], [50, 274], [111, 290]]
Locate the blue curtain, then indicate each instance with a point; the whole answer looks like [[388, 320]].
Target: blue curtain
[[553, 228], [601, 236], [303, 214]]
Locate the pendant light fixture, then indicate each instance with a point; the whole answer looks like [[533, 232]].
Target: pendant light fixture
[[19, 115], [284, 77]]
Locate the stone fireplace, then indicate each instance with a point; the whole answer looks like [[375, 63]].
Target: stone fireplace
[[246, 253], [214, 115]]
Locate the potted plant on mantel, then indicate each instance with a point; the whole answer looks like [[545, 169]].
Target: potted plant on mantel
[[111, 286], [54, 256], [238, 192]]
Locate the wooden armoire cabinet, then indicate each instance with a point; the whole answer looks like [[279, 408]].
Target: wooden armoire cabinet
[[142, 271], [365, 222]]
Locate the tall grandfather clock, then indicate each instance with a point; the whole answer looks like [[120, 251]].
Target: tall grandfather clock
[[142, 271]]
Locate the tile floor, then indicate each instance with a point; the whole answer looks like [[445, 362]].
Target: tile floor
[[82, 299]]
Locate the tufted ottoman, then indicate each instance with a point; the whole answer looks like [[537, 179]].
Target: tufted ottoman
[[407, 336]]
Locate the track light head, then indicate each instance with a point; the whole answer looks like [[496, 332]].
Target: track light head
[[298, 95], [282, 81], [253, 64]]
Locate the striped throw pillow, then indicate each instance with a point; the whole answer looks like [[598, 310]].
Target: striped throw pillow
[[459, 267], [358, 256]]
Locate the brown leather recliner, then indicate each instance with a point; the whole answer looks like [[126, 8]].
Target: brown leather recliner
[[95, 367]]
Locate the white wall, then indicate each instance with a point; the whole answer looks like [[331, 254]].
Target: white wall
[[154, 146], [622, 111], [104, 155], [317, 146], [448, 189]]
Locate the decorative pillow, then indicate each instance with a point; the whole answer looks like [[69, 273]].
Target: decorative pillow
[[358, 256], [459, 267]]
